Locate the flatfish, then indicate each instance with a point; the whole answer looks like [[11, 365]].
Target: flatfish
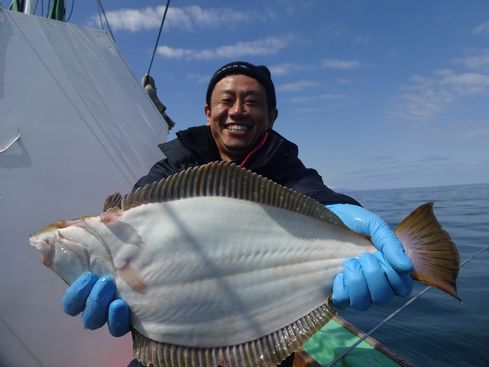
[[222, 267]]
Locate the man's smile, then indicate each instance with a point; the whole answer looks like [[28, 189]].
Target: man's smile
[[237, 127]]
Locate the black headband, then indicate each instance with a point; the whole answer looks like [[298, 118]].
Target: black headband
[[260, 73]]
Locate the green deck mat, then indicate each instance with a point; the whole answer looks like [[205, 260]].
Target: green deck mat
[[333, 339]]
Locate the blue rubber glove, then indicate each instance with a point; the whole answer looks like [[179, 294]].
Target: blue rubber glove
[[96, 299], [372, 278]]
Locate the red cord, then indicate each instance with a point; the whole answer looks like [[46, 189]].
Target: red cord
[[250, 154]]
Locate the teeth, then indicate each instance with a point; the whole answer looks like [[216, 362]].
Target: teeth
[[236, 127]]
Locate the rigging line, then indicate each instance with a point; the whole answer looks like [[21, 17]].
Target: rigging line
[[100, 15], [21, 342], [354, 345], [158, 38], [71, 11], [106, 21]]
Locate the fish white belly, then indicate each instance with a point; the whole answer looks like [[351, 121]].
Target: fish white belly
[[222, 271]]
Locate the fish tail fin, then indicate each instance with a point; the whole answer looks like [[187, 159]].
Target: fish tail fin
[[432, 252]]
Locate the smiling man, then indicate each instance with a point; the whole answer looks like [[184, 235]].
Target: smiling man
[[241, 110]]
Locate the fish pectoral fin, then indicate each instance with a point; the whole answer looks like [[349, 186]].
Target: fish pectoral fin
[[110, 216], [132, 278], [122, 231]]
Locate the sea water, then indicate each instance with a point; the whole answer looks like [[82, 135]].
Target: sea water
[[436, 329]]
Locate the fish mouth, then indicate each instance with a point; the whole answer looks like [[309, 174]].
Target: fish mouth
[[45, 248]]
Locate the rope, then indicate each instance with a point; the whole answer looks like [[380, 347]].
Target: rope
[[158, 38], [100, 15], [106, 21], [22, 343], [354, 345], [71, 11]]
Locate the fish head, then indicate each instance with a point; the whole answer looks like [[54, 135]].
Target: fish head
[[66, 248]]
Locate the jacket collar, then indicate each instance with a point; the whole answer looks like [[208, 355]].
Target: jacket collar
[[198, 140], [200, 143]]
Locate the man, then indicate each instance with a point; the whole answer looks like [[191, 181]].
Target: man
[[241, 110]]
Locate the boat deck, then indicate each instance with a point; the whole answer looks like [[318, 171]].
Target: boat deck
[[338, 335]]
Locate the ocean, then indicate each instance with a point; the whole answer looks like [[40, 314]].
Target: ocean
[[436, 329]]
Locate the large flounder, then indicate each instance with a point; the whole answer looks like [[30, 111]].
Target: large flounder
[[222, 267]]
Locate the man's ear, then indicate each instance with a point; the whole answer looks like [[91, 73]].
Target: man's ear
[[272, 117], [207, 111]]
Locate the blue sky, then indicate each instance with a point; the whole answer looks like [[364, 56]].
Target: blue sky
[[377, 94]]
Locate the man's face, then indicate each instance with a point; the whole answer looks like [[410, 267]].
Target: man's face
[[238, 115]]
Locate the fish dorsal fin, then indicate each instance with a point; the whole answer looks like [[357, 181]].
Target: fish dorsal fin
[[229, 180], [113, 201]]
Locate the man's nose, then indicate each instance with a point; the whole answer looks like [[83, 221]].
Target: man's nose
[[238, 108]]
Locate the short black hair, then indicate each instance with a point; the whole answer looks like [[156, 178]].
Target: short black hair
[[261, 73]]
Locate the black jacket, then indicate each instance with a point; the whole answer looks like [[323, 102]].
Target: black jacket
[[277, 160]]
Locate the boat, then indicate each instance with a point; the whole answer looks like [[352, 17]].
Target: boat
[[76, 126]]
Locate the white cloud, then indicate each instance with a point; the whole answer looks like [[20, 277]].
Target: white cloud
[[363, 39], [477, 62], [449, 130], [265, 46], [174, 53], [134, 19], [188, 18], [199, 78], [482, 29], [464, 83], [476, 133], [418, 102], [341, 64], [427, 97], [316, 98], [332, 31], [298, 86], [294, 8], [432, 158], [286, 68]]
